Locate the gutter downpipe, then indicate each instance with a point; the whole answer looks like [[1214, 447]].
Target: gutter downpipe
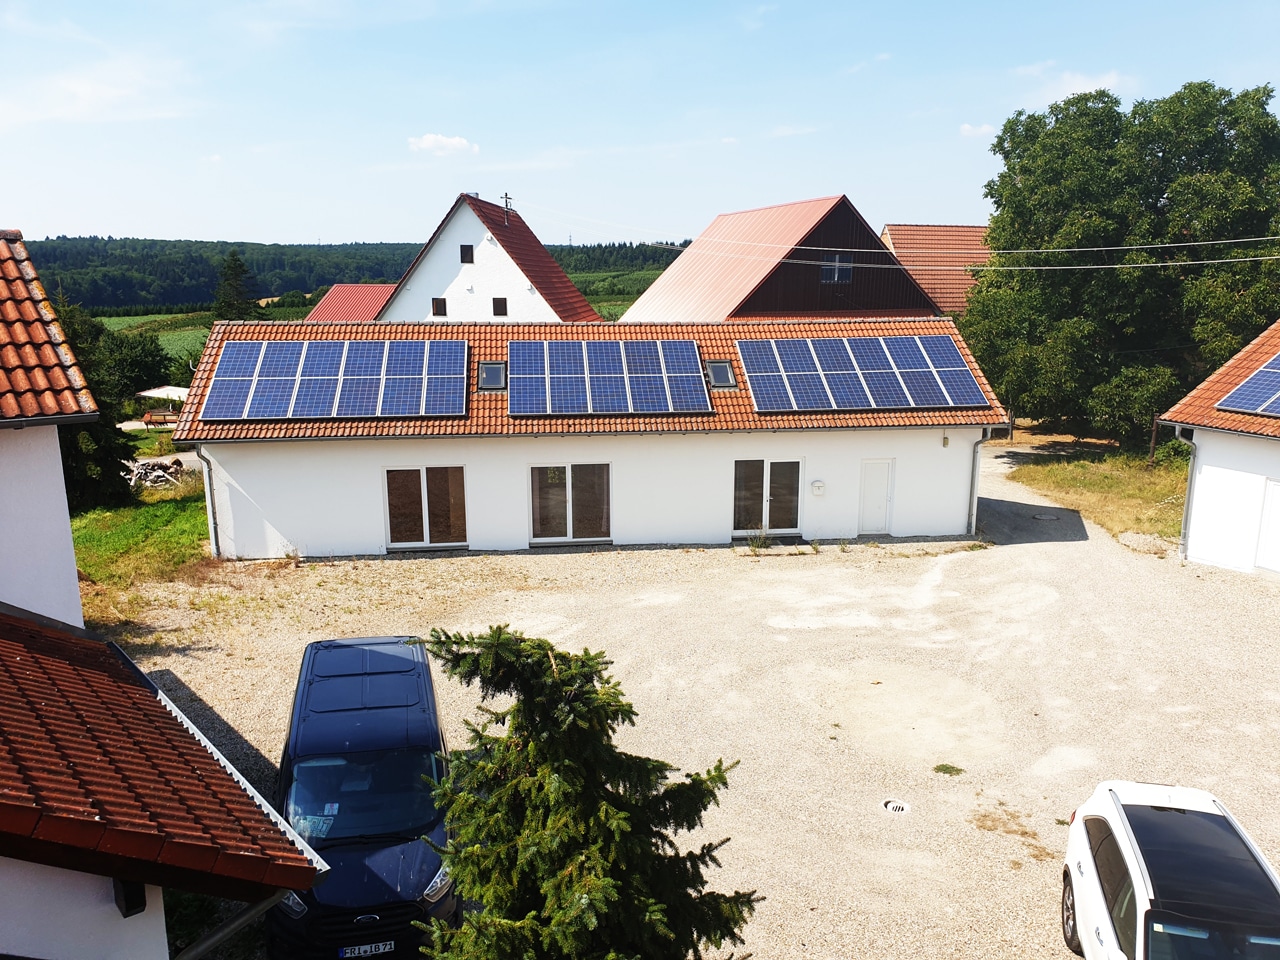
[[1191, 485], [230, 927], [215, 544], [973, 480]]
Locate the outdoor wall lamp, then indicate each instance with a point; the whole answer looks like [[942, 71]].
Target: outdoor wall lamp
[[817, 487]]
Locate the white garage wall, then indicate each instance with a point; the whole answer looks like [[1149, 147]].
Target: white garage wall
[[61, 914], [327, 498], [1228, 490], [468, 288], [37, 561]]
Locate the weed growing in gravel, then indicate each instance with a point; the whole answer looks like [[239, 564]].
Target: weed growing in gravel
[[758, 541], [948, 769], [815, 546], [844, 546]]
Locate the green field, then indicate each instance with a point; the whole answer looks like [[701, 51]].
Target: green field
[[149, 541], [181, 343], [126, 323]]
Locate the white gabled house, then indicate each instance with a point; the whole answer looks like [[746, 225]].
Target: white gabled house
[[413, 432], [41, 386], [1232, 421]]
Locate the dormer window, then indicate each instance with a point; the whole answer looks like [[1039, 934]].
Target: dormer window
[[837, 268], [467, 252]]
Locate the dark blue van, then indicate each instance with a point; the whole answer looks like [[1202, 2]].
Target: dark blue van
[[364, 733]]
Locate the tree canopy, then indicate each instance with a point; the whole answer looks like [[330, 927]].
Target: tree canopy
[[566, 841], [1088, 345], [236, 297]]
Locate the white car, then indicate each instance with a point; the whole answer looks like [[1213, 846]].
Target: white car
[[1165, 873]]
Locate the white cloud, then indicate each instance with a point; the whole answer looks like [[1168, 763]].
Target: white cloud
[[439, 145], [1054, 84], [983, 130]]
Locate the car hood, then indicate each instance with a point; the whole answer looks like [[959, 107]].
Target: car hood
[[364, 875]]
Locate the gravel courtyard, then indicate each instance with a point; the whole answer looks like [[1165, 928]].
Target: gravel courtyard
[[1040, 665]]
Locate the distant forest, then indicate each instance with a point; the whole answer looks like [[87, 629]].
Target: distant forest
[[132, 277]]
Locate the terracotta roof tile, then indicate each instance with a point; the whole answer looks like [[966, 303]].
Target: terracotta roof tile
[[351, 303], [38, 380], [92, 758], [1199, 408], [487, 411], [936, 255]]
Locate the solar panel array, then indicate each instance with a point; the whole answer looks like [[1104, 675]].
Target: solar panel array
[[605, 376], [858, 373], [311, 379], [1259, 394]]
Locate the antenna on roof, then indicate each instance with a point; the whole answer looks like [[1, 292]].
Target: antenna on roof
[[506, 210]]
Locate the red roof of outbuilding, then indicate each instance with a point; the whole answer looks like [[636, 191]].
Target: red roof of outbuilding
[[100, 773], [1199, 407], [936, 255], [351, 303], [728, 260], [520, 243], [487, 411], [39, 376]]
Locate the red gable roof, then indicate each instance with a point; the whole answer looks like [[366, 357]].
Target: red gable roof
[[487, 411], [351, 303], [936, 256], [100, 773], [39, 376], [510, 230], [1199, 407]]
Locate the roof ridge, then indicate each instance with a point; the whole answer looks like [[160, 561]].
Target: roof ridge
[[778, 206]]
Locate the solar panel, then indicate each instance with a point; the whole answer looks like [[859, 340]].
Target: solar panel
[[1257, 393], [338, 378], [861, 373], [605, 377]]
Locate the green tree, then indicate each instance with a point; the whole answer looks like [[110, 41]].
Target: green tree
[[1108, 349], [236, 297], [568, 842]]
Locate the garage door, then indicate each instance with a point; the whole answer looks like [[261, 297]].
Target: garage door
[[1269, 534]]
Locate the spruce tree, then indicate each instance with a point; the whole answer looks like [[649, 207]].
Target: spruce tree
[[566, 842], [237, 295]]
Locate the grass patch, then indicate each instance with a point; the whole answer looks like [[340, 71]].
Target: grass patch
[[948, 769], [181, 343], [1119, 492], [147, 541], [126, 323], [151, 443]]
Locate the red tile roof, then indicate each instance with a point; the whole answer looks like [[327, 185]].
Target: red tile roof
[[351, 303], [39, 376], [1199, 407], [520, 243], [487, 411], [936, 255], [728, 260], [100, 773]]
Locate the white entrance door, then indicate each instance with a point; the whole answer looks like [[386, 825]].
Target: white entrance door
[[877, 494], [1269, 534]]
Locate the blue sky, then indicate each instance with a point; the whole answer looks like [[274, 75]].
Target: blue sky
[[336, 120]]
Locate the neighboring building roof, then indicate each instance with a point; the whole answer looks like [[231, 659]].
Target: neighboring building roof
[[351, 303], [937, 255], [101, 773], [716, 275], [487, 411], [520, 243], [1199, 407], [39, 376]]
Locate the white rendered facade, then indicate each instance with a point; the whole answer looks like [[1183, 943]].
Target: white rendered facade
[[330, 498], [468, 289], [37, 561], [1233, 515], [55, 914]]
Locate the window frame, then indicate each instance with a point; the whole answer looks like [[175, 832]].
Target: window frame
[[836, 269], [427, 544], [466, 253], [726, 365], [489, 365], [767, 480], [439, 306], [568, 468]]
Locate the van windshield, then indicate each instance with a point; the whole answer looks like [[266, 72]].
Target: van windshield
[[375, 794]]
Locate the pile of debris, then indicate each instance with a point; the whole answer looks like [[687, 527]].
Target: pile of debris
[[154, 473]]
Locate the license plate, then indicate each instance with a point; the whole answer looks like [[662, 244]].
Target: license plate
[[368, 949]]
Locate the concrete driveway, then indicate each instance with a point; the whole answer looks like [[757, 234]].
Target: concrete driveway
[[1040, 665]]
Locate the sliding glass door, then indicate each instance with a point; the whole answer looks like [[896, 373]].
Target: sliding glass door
[[426, 507], [570, 502], [766, 496]]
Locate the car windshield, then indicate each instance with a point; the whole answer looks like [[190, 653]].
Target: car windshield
[[1173, 937], [372, 794]]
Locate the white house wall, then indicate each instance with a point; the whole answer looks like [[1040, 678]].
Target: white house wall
[[55, 914], [328, 498], [468, 288], [37, 561], [1227, 496]]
